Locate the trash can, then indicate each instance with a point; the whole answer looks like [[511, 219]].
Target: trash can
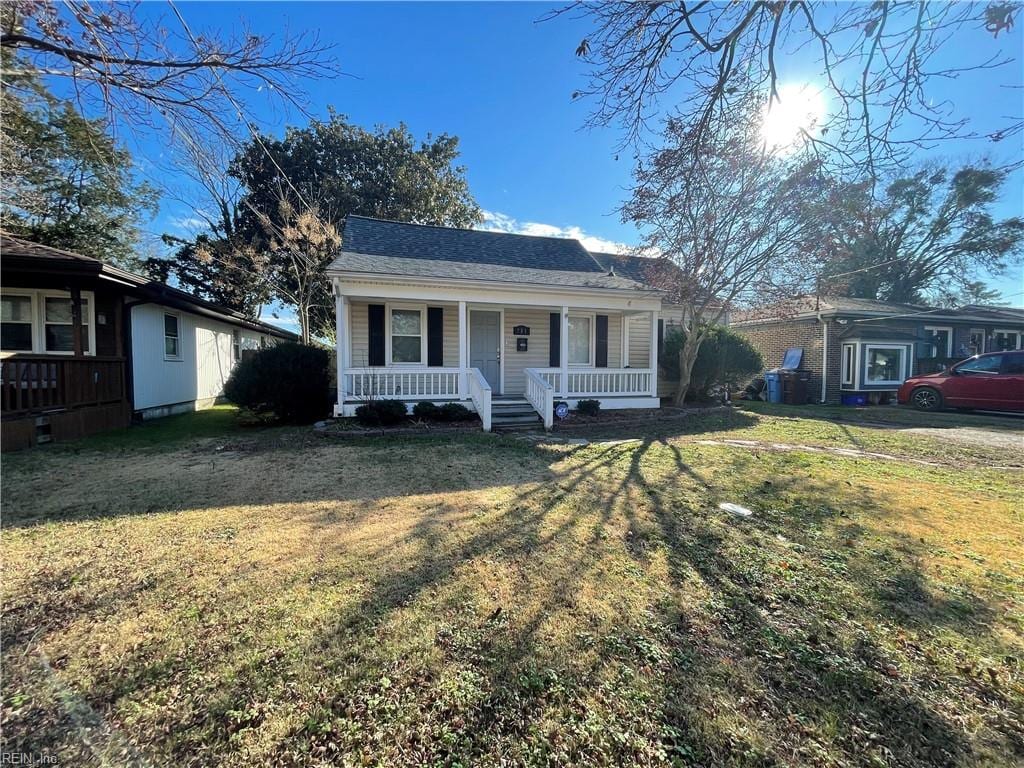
[[773, 383], [794, 387]]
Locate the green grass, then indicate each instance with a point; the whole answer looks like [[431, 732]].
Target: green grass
[[273, 598]]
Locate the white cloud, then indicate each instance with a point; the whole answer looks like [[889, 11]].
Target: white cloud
[[189, 225], [500, 222]]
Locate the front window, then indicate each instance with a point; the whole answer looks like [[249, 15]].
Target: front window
[[941, 340], [1004, 340], [406, 336], [579, 340], [172, 337], [58, 333], [885, 365], [16, 329], [980, 366], [977, 343]]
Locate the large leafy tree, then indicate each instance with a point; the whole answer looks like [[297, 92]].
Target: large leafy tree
[[923, 236], [313, 178], [66, 182]]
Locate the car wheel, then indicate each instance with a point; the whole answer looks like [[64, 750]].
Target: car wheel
[[926, 399]]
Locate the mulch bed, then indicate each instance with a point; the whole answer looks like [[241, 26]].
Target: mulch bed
[[629, 416], [345, 428]]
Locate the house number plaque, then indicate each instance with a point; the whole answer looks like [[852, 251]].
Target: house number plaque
[[521, 330]]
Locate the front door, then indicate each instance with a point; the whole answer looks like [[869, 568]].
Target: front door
[[485, 346]]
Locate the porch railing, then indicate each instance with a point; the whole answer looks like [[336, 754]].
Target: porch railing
[[599, 382], [541, 395], [480, 394], [39, 383], [401, 384]]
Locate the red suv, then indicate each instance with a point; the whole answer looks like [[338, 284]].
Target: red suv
[[993, 382]]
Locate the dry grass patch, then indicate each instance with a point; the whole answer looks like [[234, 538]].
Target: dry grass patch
[[279, 599]]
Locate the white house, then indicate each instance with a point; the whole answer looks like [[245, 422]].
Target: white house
[[506, 324], [85, 346]]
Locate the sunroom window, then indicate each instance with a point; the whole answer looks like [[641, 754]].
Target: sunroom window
[[579, 340], [406, 336], [885, 365], [848, 351]]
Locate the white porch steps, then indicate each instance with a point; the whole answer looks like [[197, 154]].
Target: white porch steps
[[513, 412]]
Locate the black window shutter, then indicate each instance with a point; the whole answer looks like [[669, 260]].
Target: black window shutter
[[661, 337], [601, 355], [435, 336], [375, 314], [555, 340]]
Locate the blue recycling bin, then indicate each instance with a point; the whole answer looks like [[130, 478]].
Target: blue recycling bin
[[773, 383]]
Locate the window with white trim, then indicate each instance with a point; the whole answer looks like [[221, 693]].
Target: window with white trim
[[236, 345], [941, 339], [16, 326], [885, 365], [976, 345], [406, 336], [40, 321], [172, 337], [848, 351], [58, 328], [580, 340], [1004, 340]]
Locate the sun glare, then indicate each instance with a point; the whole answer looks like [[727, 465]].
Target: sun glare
[[797, 113]]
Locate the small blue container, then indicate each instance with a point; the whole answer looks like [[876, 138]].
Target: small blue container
[[773, 383], [855, 399]]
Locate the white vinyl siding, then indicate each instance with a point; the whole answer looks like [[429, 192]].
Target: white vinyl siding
[[359, 331], [205, 351]]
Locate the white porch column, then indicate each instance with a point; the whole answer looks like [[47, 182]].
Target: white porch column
[[624, 355], [463, 351], [653, 365], [563, 352], [341, 344]]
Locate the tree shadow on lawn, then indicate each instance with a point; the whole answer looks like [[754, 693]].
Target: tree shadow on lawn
[[636, 625], [780, 662]]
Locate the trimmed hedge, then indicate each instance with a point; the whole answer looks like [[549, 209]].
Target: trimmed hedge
[[447, 412], [292, 380], [382, 413]]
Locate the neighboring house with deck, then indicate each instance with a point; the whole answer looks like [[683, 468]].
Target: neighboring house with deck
[[505, 324], [866, 347], [86, 346]]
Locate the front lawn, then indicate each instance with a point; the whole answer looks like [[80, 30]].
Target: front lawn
[[275, 598]]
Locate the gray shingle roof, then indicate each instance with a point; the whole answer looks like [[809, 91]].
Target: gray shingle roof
[[377, 246], [636, 268]]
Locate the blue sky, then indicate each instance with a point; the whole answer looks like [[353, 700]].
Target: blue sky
[[501, 81]]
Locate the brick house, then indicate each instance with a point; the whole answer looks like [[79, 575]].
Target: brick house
[[870, 347]]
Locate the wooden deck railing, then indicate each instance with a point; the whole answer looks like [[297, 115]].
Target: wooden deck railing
[[37, 383]]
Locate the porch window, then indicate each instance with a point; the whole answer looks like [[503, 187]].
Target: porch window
[[406, 336], [16, 328], [885, 365], [58, 332], [579, 340], [1004, 340], [172, 337], [848, 363]]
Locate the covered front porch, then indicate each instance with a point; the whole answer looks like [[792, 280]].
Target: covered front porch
[[446, 344]]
